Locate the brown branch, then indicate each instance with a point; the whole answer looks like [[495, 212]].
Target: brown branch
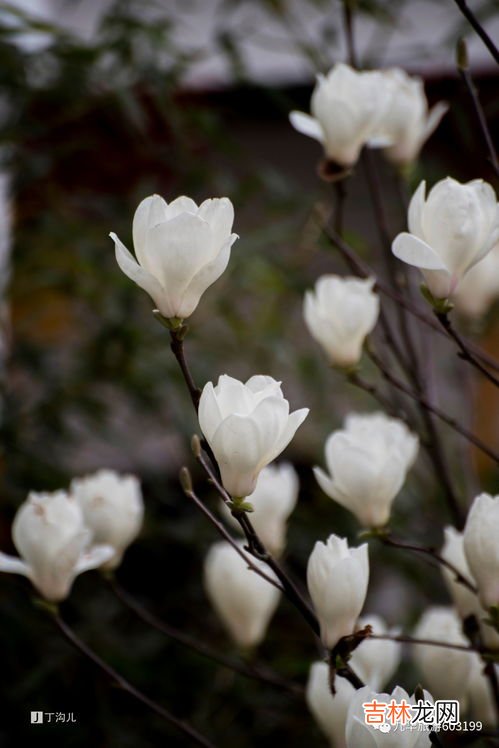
[[465, 352], [177, 346], [249, 671], [184, 727], [480, 115]]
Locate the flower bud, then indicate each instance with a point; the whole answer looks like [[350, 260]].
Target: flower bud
[[112, 507], [368, 461], [181, 249], [273, 500], [53, 544], [449, 232], [247, 426], [337, 579], [360, 735], [481, 547], [330, 712], [339, 314], [244, 601], [346, 106], [406, 122], [376, 660], [445, 670]]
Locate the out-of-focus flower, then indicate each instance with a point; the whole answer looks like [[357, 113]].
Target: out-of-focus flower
[[360, 735], [181, 249], [247, 426], [273, 500], [480, 286], [376, 660], [337, 579], [53, 544], [481, 547], [449, 232], [330, 712], [244, 601], [406, 123], [481, 698], [346, 106], [368, 461], [445, 670], [464, 599], [340, 313], [112, 507]]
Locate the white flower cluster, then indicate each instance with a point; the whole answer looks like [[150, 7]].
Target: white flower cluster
[[379, 108], [60, 535]]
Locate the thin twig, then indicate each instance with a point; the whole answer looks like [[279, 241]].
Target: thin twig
[[431, 553], [475, 23], [480, 114], [177, 346], [124, 684], [465, 353], [249, 671], [428, 642], [472, 438]]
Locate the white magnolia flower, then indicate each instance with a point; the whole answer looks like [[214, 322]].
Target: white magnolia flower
[[376, 660], [247, 426], [346, 106], [339, 314], [449, 232], [113, 509], [360, 735], [337, 579], [330, 712], [367, 462], [244, 601], [181, 249], [445, 670], [53, 544], [480, 286], [481, 546], [273, 500], [406, 121]]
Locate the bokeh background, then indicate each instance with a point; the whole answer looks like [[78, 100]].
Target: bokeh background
[[101, 104]]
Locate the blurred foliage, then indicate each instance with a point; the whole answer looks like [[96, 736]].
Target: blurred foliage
[[87, 129]]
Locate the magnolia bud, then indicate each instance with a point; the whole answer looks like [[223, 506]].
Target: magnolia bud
[[244, 600], [376, 660], [339, 314], [368, 461], [450, 231], [330, 712], [51, 538], [346, 106], [112, 507], [446, 670], [360, 735], [181, 249], [273, 500], [247, 426], [481, 546], [337, 579]]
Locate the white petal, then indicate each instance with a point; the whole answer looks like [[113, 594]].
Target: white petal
[[416, 252], [150, 211], [204, 278], [434, 117], [415, 212], [142, 278], [93, 558], [209, 414], [307, 125], [13, 565]]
